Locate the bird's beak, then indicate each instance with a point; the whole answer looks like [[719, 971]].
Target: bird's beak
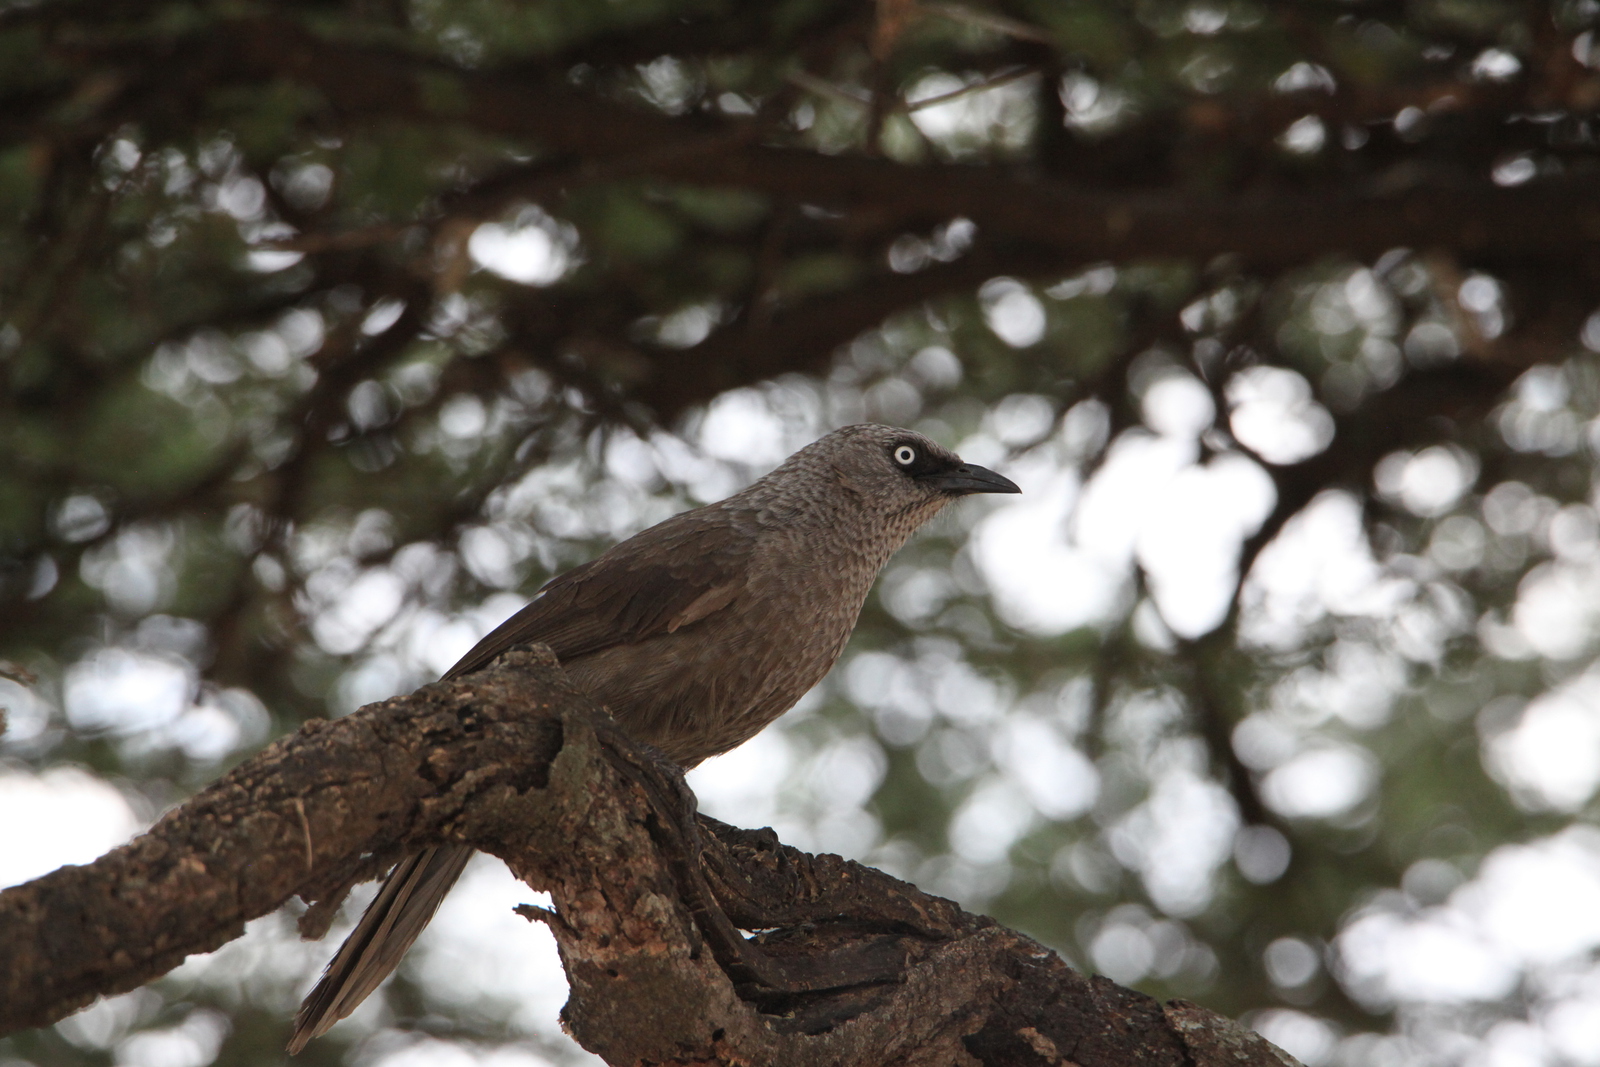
[[970, 478]]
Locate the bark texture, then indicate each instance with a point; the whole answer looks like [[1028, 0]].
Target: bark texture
[[854, 967]]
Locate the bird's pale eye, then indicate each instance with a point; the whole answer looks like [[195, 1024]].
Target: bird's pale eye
[[905, 455]]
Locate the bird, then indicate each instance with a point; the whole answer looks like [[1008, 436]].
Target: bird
[[694, 634]]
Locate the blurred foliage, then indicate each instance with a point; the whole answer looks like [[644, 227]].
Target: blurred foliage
[[329, 330]]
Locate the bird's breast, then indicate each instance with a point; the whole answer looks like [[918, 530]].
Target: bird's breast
[[714, 682]]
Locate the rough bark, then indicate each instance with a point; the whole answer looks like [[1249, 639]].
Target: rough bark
[[855, 967]]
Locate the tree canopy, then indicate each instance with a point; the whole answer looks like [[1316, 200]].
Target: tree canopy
[[329, 330]]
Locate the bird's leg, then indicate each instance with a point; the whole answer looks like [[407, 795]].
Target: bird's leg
[[864, 951], [661, 779], [683, 807], [676, 827]]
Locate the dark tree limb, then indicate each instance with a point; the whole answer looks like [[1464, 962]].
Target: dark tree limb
[[855, 967], [365, 84]]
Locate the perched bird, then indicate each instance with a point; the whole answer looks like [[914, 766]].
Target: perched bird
[[694, 634]]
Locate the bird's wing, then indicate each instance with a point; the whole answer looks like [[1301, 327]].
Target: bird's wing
[[671, 575]]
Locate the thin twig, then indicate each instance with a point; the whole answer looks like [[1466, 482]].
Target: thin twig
[[823, 87], [341, 241], [17, 673], [1004, 77], [990, 21]]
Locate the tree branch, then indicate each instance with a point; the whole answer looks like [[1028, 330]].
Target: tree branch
[[855, 967], [1270, 229]]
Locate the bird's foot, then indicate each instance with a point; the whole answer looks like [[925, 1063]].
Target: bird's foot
[[733, 880]]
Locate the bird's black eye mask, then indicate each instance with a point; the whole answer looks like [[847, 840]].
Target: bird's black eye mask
[[945, 473], [916, 460]]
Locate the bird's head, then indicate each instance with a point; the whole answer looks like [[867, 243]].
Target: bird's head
[[893, 472]]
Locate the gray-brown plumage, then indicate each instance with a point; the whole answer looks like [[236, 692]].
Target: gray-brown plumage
[[695, 634]]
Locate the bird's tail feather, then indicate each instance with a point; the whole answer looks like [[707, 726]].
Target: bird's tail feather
[[392, 922]]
